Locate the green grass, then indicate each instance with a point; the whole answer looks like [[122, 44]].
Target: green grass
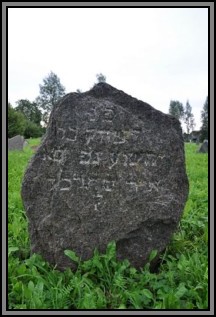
[[102, 282], [33, 142]]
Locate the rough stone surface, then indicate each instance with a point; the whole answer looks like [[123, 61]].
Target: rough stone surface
[[204, 147], [16, 143], [110, 167]]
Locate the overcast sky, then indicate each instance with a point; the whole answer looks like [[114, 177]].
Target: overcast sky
[[153, 54]]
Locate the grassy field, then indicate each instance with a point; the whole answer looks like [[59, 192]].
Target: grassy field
[[103, 282]]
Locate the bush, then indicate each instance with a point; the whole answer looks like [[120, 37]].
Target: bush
[[16, 123], [33, 130]]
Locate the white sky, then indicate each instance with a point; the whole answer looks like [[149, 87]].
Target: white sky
[[153, 54]]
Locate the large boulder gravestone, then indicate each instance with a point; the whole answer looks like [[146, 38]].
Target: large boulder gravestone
[[110, 167], [16, 143]]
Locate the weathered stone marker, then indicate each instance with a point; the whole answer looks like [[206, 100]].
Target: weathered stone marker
[[204, 147], [110, 167], [16, 143]]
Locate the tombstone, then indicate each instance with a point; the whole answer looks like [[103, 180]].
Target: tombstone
[[110, 168], [17, 143], [204, 147], [195, 136], [186, 137]]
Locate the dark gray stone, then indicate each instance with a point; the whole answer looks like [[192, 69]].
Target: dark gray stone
[[195, 136], [204, 147], [110, 167], [16, 143]]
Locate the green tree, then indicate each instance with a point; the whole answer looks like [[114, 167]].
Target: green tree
[[204, 119], [30, 110], [16, 122], [189, 118], [101, 78], [176, 109], [50, 93]]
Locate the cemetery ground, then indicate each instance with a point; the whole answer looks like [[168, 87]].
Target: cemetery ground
[[181, 281]]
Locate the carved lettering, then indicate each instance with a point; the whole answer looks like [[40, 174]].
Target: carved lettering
[[65, 184], [58, 155], [132, 159], [50, 183], [55, 155], [108, 115], [114, 157], [119, 138], [98, 201], [128, 160], [85, 158], [71, 135], [90, 136], [144, 187], [90, 158], [108, 185], [133, 185], [61, 133], [104, 136], [92, 114], [93, 135], [85, 183], [96, 158]]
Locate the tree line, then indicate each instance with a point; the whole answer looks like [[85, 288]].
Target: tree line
[[185, 114], [27, 117]]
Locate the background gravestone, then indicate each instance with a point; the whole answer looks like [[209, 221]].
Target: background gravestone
[[204, 147], [16, 143], [110, 167]]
